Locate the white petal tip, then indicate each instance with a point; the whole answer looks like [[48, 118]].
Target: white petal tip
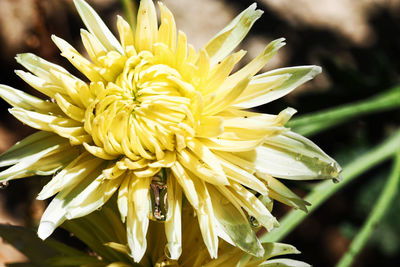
[[45, 229], [173, 250], [315, 71], [138, 255], [41, 197]]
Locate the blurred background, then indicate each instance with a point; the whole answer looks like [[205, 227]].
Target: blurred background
[[357, 43]]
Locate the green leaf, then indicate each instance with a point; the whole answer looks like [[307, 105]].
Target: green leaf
[[24, 264], [27, 242], [316, 122], [72, 260], [98, 229]]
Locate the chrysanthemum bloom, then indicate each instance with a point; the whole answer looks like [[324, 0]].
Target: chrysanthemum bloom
[[152, 120]]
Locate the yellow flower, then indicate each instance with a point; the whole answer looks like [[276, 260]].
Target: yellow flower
[[155, 119]]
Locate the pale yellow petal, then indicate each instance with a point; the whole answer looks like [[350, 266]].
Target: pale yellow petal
[[167, 30], [186, 183], [93, 47], [173, 229], [146, 28], [20, 99], [137, 219], [76, 59], [257, 63], [72, 111], [70, 175], [97, 27], [227, 39]]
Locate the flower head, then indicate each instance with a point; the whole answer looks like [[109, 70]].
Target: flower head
[[153, 120]]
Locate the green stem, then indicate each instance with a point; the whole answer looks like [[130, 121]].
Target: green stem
[[130, 9], [322, 120], [325, 189], [384, 201]]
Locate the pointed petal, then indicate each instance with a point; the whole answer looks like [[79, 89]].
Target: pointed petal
[[17, 98], [284, 263], [227, 39], [93, 47], [41, 85], [235, 224], [137, 219], [186, 183], [146, 27], [97, 27], [32, 164], [55, 213], [167, 30], [125, 34], [280, 192], [292, 156], [257, 63], [224, 98], [173, 228], [71, 175], [31, 145], [196, 166], [278, 249], [72, 111], [206, 217], [298, 76], [231, 145], [123, 194], [39, 66], [242, 176], [253, 206], [41, 121], [94, 196], [76, 59]]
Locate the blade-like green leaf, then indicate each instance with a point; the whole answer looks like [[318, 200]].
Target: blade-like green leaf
[[27, 242], [97, 230], [72, 260], [36, 250]]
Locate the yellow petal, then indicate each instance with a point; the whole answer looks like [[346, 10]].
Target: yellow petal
[[72, 111], [76, 59], [97, 27], [137, 219], [167, 30], [173, 229], [146, 28], [227, 39]]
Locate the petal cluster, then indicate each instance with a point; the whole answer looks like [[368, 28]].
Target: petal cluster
[[109, 249], [156, 123]]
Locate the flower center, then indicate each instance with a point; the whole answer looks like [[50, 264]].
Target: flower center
[[146, 111]]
